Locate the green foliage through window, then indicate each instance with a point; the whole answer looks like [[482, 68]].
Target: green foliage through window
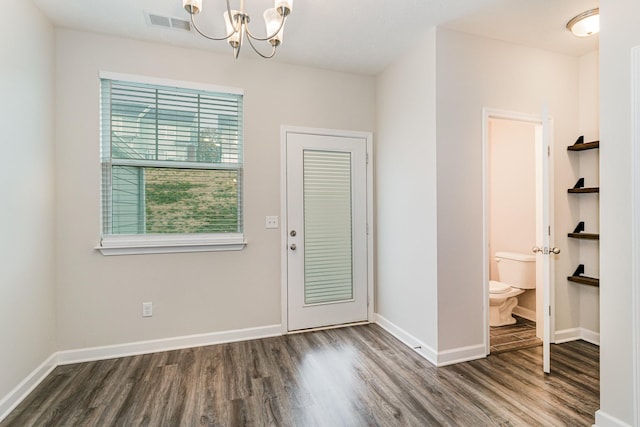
[[194, 201]]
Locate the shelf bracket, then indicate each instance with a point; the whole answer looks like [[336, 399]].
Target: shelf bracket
[[579, 271], [579, 228], [579, 184]]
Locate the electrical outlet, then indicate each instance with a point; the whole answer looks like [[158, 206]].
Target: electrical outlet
[[147, 309], [271, 222]]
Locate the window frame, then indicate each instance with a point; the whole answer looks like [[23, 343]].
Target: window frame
[[134, 244]]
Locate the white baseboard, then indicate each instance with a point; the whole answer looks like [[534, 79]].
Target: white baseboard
[[605, 420], [22, 390], [566, 335], [590, 336], [443, 358], [165, 344], [461, 354], [574, 334], [407, 339], [66, 357], [525, 312]]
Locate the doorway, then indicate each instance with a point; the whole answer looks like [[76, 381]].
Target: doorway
[[517, 207], [512, 230], [326, 234]]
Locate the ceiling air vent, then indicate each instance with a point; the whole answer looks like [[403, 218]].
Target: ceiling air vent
[[167, 22], [180, 24]]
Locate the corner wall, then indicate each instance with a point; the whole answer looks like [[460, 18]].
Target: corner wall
[[473, 73], [589, 206], [406, 280], [619, 34], [27, 322], [99, 298]]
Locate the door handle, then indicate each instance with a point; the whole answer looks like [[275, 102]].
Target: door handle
[[545, 250], [293, 247]]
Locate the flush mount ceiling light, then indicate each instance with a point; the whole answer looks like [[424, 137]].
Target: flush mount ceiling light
[[585, 24], [237, 25]]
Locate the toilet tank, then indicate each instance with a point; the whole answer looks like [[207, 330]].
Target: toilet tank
[[516, 269]]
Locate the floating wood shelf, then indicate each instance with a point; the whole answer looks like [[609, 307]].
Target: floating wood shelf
[[579, 233], [584, 190], [577, 277], [580, 188], [584, 236], [580, 145]]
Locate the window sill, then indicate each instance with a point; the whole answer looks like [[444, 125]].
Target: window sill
[[166, 244]]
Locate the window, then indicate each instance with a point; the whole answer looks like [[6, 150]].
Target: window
[[171, 161]]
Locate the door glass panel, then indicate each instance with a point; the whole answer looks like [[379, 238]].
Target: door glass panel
[[328, 272]]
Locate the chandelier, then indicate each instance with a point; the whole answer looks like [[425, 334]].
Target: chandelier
[[237, 24]]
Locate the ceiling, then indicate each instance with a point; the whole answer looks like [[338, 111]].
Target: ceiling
[[361, 36]]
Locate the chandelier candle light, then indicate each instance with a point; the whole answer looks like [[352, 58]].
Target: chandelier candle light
[[237, 24]]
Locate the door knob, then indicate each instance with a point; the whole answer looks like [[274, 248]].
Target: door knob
[[545, 250], [293, 233], [293, 247]]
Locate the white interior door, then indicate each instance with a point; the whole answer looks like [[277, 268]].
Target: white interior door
[[544, 251], [326, 229]]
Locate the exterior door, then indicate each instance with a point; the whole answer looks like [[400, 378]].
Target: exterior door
[[326, 228]]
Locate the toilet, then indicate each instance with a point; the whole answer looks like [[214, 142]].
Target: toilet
[[517, 273]]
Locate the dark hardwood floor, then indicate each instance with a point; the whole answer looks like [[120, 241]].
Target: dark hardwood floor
[[357, 376]]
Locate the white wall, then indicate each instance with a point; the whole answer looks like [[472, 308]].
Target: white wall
[[472, 73], [512, 194], [589, 205], [619, 33], [27, 323], [406, 278], [99, 298]]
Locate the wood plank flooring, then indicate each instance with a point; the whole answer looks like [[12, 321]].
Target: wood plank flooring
[[357, 376], [520, 335]]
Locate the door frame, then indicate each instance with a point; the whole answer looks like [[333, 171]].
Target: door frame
[[284, 238], [487, 114], [635, 225]]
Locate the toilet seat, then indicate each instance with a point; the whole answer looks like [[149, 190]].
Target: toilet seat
[[496, 287]]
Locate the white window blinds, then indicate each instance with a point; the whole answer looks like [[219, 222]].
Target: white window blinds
[[171, 160], [328, 255]]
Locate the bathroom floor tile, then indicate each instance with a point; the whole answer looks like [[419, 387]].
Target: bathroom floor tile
[[525, 335], [503, 339], [515, 345], [520, 335]]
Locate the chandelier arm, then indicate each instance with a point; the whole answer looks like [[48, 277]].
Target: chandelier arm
[[236, 50], [193, 22], [234, 24], [264, 39], [273, 51]]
